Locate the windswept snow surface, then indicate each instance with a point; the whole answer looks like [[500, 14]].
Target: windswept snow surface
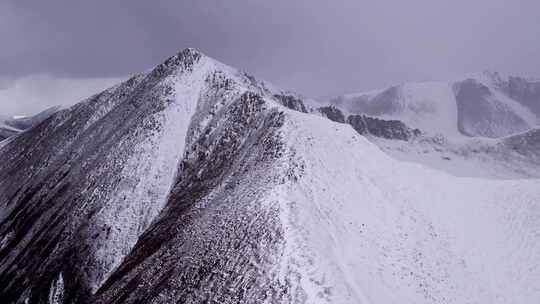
[[361, 227]]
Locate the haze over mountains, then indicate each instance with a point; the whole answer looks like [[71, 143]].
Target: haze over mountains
[[483, 105], [481, 125], [11, 126], [197, 183]]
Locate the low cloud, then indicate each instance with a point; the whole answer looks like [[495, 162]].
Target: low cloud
[[31, 94]]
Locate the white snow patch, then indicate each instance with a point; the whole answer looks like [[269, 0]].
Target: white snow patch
[[56, 293]]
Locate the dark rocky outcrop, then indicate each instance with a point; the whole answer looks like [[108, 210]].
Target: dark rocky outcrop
[[389, 129], [292, 102], [366, 125], [332, 113]]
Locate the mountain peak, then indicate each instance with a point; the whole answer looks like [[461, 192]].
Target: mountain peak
[[184, 60], [189, 54]]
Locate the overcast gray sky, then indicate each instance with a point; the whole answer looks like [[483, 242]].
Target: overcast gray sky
[[315, 47]]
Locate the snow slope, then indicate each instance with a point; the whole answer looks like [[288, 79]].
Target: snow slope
[[369, 229], [512, 157]]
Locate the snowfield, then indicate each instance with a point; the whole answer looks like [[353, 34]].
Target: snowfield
[[362, 227]]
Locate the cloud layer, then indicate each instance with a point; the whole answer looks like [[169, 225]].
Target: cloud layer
[[314, 46], [29, 95]]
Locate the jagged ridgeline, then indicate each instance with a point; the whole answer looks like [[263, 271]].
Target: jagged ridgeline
[[196, 183]]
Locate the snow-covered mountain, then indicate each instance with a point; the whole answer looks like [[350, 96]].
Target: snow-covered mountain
[[481, 105], [196, 183], [10, 126], [462, 127]]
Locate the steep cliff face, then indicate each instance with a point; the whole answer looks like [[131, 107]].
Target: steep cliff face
[[195, 183]]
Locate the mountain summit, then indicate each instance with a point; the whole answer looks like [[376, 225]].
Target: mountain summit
[[196, 183]]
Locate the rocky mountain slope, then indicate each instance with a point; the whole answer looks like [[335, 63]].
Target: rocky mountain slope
[[196, 183]]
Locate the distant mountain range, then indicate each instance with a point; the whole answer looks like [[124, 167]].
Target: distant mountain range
[[483, 105], [10, 126], [197, 183]]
